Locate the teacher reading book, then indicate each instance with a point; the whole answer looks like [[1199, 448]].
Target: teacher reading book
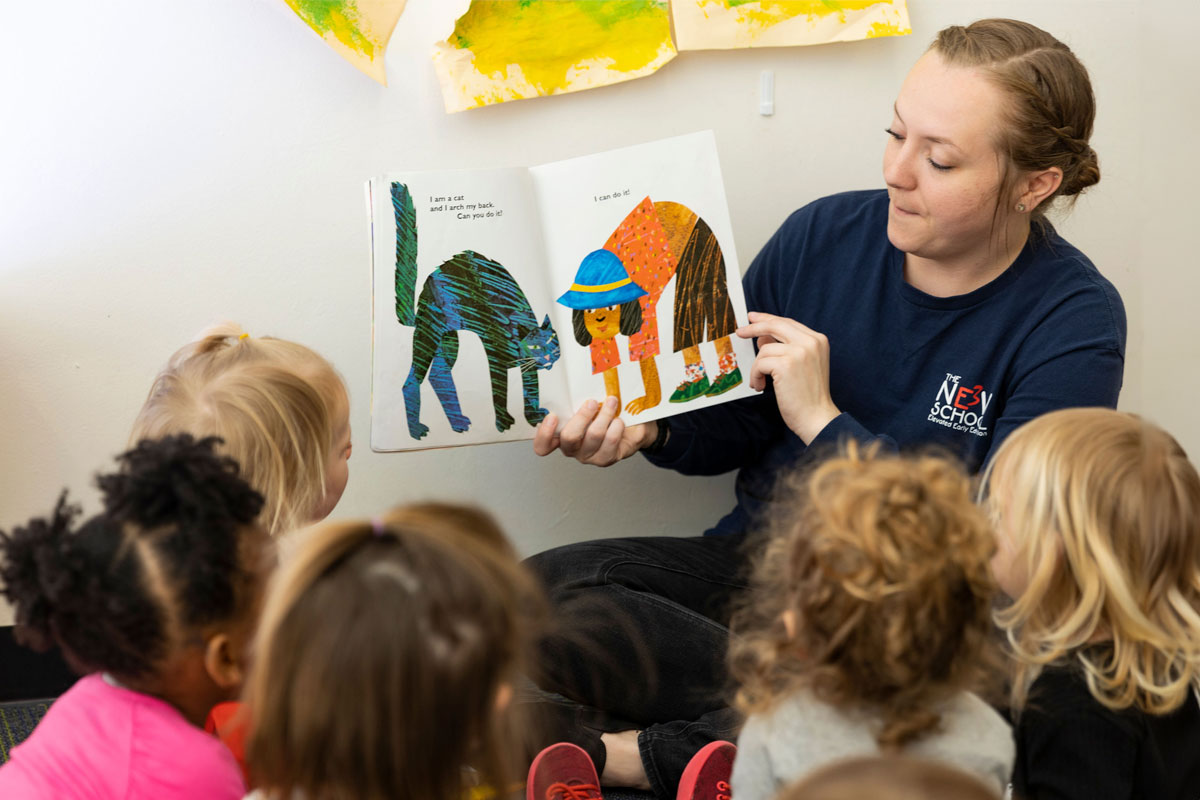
[[944, 310]]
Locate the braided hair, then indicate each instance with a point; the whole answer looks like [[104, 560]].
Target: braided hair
[[163, 556], [1047, 120]]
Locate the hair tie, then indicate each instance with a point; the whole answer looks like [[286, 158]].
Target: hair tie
[[244, 336], [377, 526]]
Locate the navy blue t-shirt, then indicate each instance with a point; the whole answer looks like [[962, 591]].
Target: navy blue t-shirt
[[956, 372]]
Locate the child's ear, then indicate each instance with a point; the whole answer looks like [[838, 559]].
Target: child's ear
[[789, 622], [222, 663]]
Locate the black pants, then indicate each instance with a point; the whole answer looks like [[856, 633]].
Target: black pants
[[645, 628]]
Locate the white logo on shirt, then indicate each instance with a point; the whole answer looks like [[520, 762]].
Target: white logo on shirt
[[961, 407]]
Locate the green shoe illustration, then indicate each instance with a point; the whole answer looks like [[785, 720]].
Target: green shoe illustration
[[725, 382], [690, 390]]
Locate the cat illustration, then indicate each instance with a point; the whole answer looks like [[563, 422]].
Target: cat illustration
[[470, 292]]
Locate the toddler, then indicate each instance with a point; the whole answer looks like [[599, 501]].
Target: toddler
[[386, 660], [866, 625], [281, 410], [154, 600], [1098, 519]]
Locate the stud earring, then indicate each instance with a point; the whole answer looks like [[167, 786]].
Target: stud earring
[[1021, 207]]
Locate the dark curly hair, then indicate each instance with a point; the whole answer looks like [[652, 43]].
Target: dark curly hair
[[164, 556]]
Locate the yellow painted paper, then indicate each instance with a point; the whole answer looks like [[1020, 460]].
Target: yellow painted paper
[[358, 29], [723, 24], [504, 50]]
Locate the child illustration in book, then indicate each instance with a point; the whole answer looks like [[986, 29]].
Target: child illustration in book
[[470, 292], [605, 302], [655, 242]]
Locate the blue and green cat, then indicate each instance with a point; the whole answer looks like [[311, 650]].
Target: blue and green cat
[[469, 292]]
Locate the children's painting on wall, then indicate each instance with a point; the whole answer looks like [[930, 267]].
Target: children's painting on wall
[[357, 29], [612, 274], [723, 24], [504, 50]]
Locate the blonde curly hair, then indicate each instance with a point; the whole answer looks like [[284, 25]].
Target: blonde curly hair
[[1101, 510], [881, 573]]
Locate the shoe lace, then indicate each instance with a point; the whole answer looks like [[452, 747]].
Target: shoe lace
[[722, 790], [573, 791]]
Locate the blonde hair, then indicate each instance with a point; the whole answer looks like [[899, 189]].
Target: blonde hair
[[888, 778], [883, 564], [276, 404], [1051, 107], [382, 650], [1103, 511]]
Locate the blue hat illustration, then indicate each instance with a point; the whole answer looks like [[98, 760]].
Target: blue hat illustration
[[601, 281]]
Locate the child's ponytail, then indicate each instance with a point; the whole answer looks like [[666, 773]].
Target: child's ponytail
[[36, 574], [71, 588]]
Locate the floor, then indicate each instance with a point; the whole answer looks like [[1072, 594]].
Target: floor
[[17, 721]]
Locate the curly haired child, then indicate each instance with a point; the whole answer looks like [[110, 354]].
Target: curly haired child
[[386, 660], [154, 599], [281, 410], [1098, 520], [866, 625]]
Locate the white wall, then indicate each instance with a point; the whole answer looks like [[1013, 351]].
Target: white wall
[[165, 165]]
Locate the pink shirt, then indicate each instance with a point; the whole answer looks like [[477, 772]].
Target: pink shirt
[[102, 741]]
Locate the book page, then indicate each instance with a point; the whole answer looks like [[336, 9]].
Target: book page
[[645, 279], [464, 351]]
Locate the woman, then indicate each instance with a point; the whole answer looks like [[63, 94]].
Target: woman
[[943, 311]]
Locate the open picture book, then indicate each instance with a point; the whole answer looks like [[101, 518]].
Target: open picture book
[[501, 295]]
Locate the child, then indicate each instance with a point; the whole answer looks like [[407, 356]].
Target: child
[[154, 599], [888, 778], [386, 660], [280, 408], [1098, 517], [865, 625]]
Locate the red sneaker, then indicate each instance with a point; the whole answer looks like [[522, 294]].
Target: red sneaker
[[706, 776], [563, 771]]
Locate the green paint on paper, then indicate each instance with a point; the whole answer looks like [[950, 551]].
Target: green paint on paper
[[339, 18]]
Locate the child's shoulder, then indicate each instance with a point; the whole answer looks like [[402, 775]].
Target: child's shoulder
[[148, 744], [967, 718], [172, 758], [1060, 702], [972, 708]]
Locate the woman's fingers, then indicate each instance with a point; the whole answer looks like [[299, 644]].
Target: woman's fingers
[[594, 437], [545, 437], [762, 368], [768, 327], [609, 451], [572, 433]]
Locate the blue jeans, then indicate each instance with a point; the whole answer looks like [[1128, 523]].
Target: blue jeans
[[644, 632]]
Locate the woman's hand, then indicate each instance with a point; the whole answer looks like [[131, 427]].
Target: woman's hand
[[595, 435], [797, 360]]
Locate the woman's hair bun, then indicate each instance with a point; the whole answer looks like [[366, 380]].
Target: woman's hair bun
[[1084, 172]]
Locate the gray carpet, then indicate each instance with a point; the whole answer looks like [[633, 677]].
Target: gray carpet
[[17, 721]]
